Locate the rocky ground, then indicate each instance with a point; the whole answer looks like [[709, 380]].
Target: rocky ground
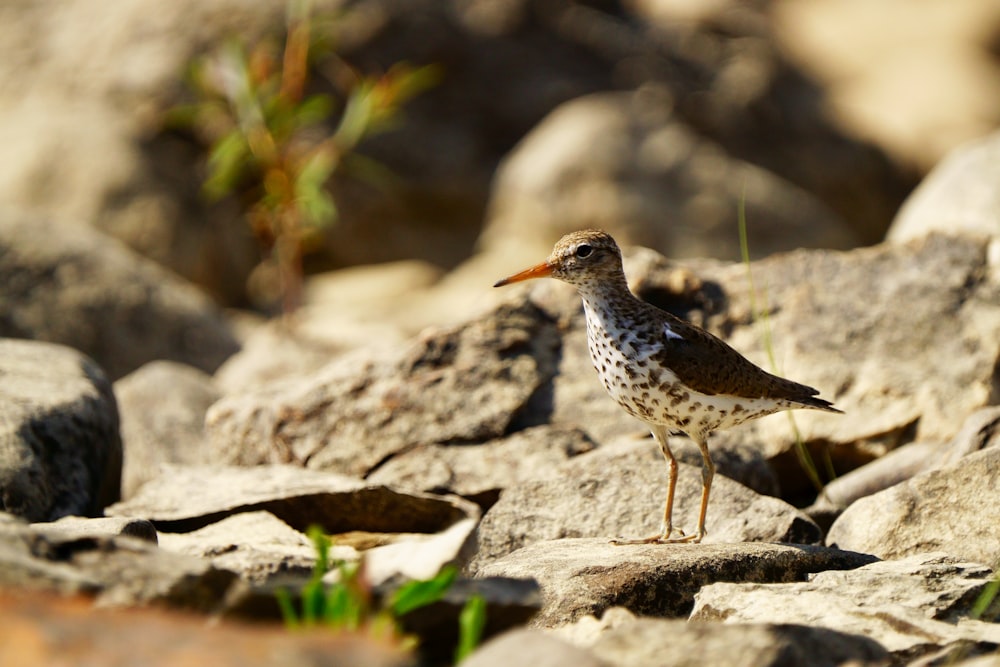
[[161, 459]]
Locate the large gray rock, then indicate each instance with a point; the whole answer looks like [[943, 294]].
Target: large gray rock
[[60, 451], [463, 384], [910, 606], [163, 406], [959, 195], [587, 576], [619, 491], [68, 284], [953, 509]]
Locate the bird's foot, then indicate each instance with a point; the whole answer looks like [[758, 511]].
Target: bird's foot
[[663, 537]]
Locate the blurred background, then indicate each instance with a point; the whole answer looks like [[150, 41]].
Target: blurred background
[[463, 137]]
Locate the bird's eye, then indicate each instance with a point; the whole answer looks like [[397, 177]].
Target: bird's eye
[[584, 251]]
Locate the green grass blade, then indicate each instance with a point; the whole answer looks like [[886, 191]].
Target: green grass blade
[[985, 599], [416, 594], [288, 614], [762, 317], [471, 623]]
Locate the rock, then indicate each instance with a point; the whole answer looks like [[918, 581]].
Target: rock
[[587, 576], [422, 556], [44, 630], [373, 305], [163, 406], [586, 630], [116, 307], [545, 651], [898, 465], [185, 498], [890, 341], [78, 527], [649, 642], [480, 471], [118, 570], [981, 430], [619, 491], [60, 451], [464, 384], [909, 606], [952, 509], [624, 162], [256, 545], [273, 351], [957, 196]]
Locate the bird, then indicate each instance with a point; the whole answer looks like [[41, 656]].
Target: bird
[[668, 373]]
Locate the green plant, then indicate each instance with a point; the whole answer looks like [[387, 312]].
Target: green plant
[[349, 605], [761, 315], [983, 603], [271, 142], [471, 623]]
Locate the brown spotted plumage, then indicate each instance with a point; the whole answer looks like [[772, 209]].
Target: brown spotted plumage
[[666, 372]]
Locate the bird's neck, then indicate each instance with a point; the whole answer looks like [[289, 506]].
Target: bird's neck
[[606, 297]]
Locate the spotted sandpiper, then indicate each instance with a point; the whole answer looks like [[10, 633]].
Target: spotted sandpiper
[[667, 372]]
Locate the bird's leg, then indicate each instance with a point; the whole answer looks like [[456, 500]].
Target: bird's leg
[[707, 473], [666, 526]]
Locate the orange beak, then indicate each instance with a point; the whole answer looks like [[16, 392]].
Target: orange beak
[[541, 271]]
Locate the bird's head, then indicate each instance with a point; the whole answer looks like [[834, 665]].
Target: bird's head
[[579, 258]]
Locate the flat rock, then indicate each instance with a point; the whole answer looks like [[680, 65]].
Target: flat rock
[[185, 498], [480, 471], [463, 384], [648, 642], [163, 406], [910, 606], [618, 490], [422, 556], [60, 451], [587, 576], [256, 545], [76, 526], [118, 308], [118, 570], [952, 509]]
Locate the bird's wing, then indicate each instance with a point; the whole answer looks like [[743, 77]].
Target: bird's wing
[[710, 366]]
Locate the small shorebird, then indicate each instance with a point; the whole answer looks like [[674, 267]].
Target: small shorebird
[[667, 372]]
